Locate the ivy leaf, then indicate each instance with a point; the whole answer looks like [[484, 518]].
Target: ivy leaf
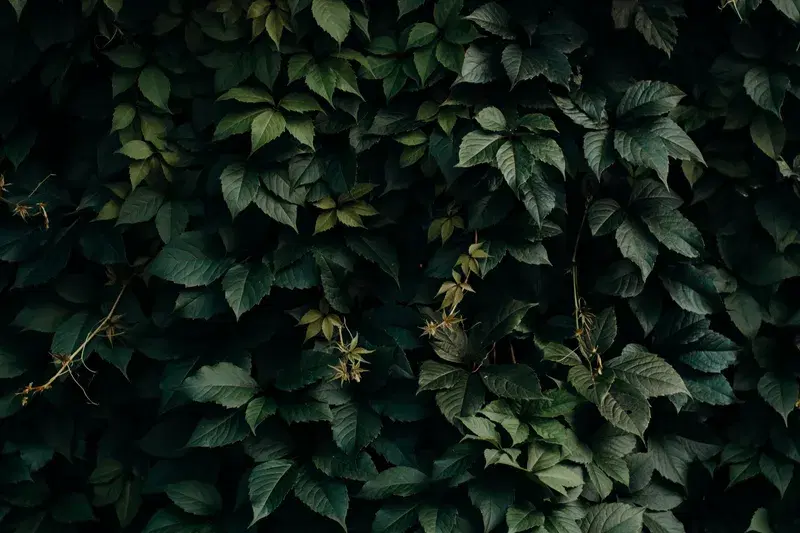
[[643, 148], [492, 119], [492, 498], [664, 522], [195, 497], [524, 517], [266, 127], [636, 244], [769, 134], [477, 66], [438, 519], [224, 383], [239, 187], [765, 89], [649, 98], [333, 16], [258, 410], [673, 230], [395, 481], [626, 408], [324, 496], [613, 518], [269, 483], [192, 259], [647, 372], [493, 18], [378, 251], [155, 86], [780, 392], [478, 147], [604, 216], [657, 28], [518, 382], [395, 517], [246, 285], [598, 148], [354, 427]]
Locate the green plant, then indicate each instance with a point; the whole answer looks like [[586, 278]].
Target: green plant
[[439, 266]]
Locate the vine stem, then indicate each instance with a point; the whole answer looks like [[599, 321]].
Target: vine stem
[[66, 363]]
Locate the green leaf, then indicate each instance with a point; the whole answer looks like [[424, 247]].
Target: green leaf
[[438, 519], [249, 95], [517, 382], [354, 427], [636, 244], [663, 523], [493, 18], [140, 206], [622, 278], [219, 431], [604, 216], [657, 28], [136, 150], [127, 505], [224, 383], [478, 147], [691, 289], [613, 518], [561, 477], [649, 98], [477, 66], [421, 34], [481, 429], [395, 481], [301, 129], [258, 410], [266, 127], [492, 119], [18, 6], [765, 89], [545, 150], [777, 472], [492, 497], [376, 250], [643, 148], [268, 484], [195, 497], [325, 496], [299, 103], [780, 391], [246, 285], [626, 408], [598, 148], [523, 517], [759, 523], [234, 124], [155, 86], [192, 259], [239, 187], [395, 517], [769, 134], [673, 230], [123, 117], [333, 16], [647, 372], [171, 220], [277, 209], [713, 389]]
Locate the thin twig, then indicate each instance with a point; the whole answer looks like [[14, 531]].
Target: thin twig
[[66, 363]]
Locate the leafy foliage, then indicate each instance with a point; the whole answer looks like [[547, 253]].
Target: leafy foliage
[[440, 266]]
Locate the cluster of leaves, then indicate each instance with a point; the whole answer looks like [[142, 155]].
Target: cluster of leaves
[[440, 266]]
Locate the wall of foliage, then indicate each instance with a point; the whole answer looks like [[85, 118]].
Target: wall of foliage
[[438, 266]]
